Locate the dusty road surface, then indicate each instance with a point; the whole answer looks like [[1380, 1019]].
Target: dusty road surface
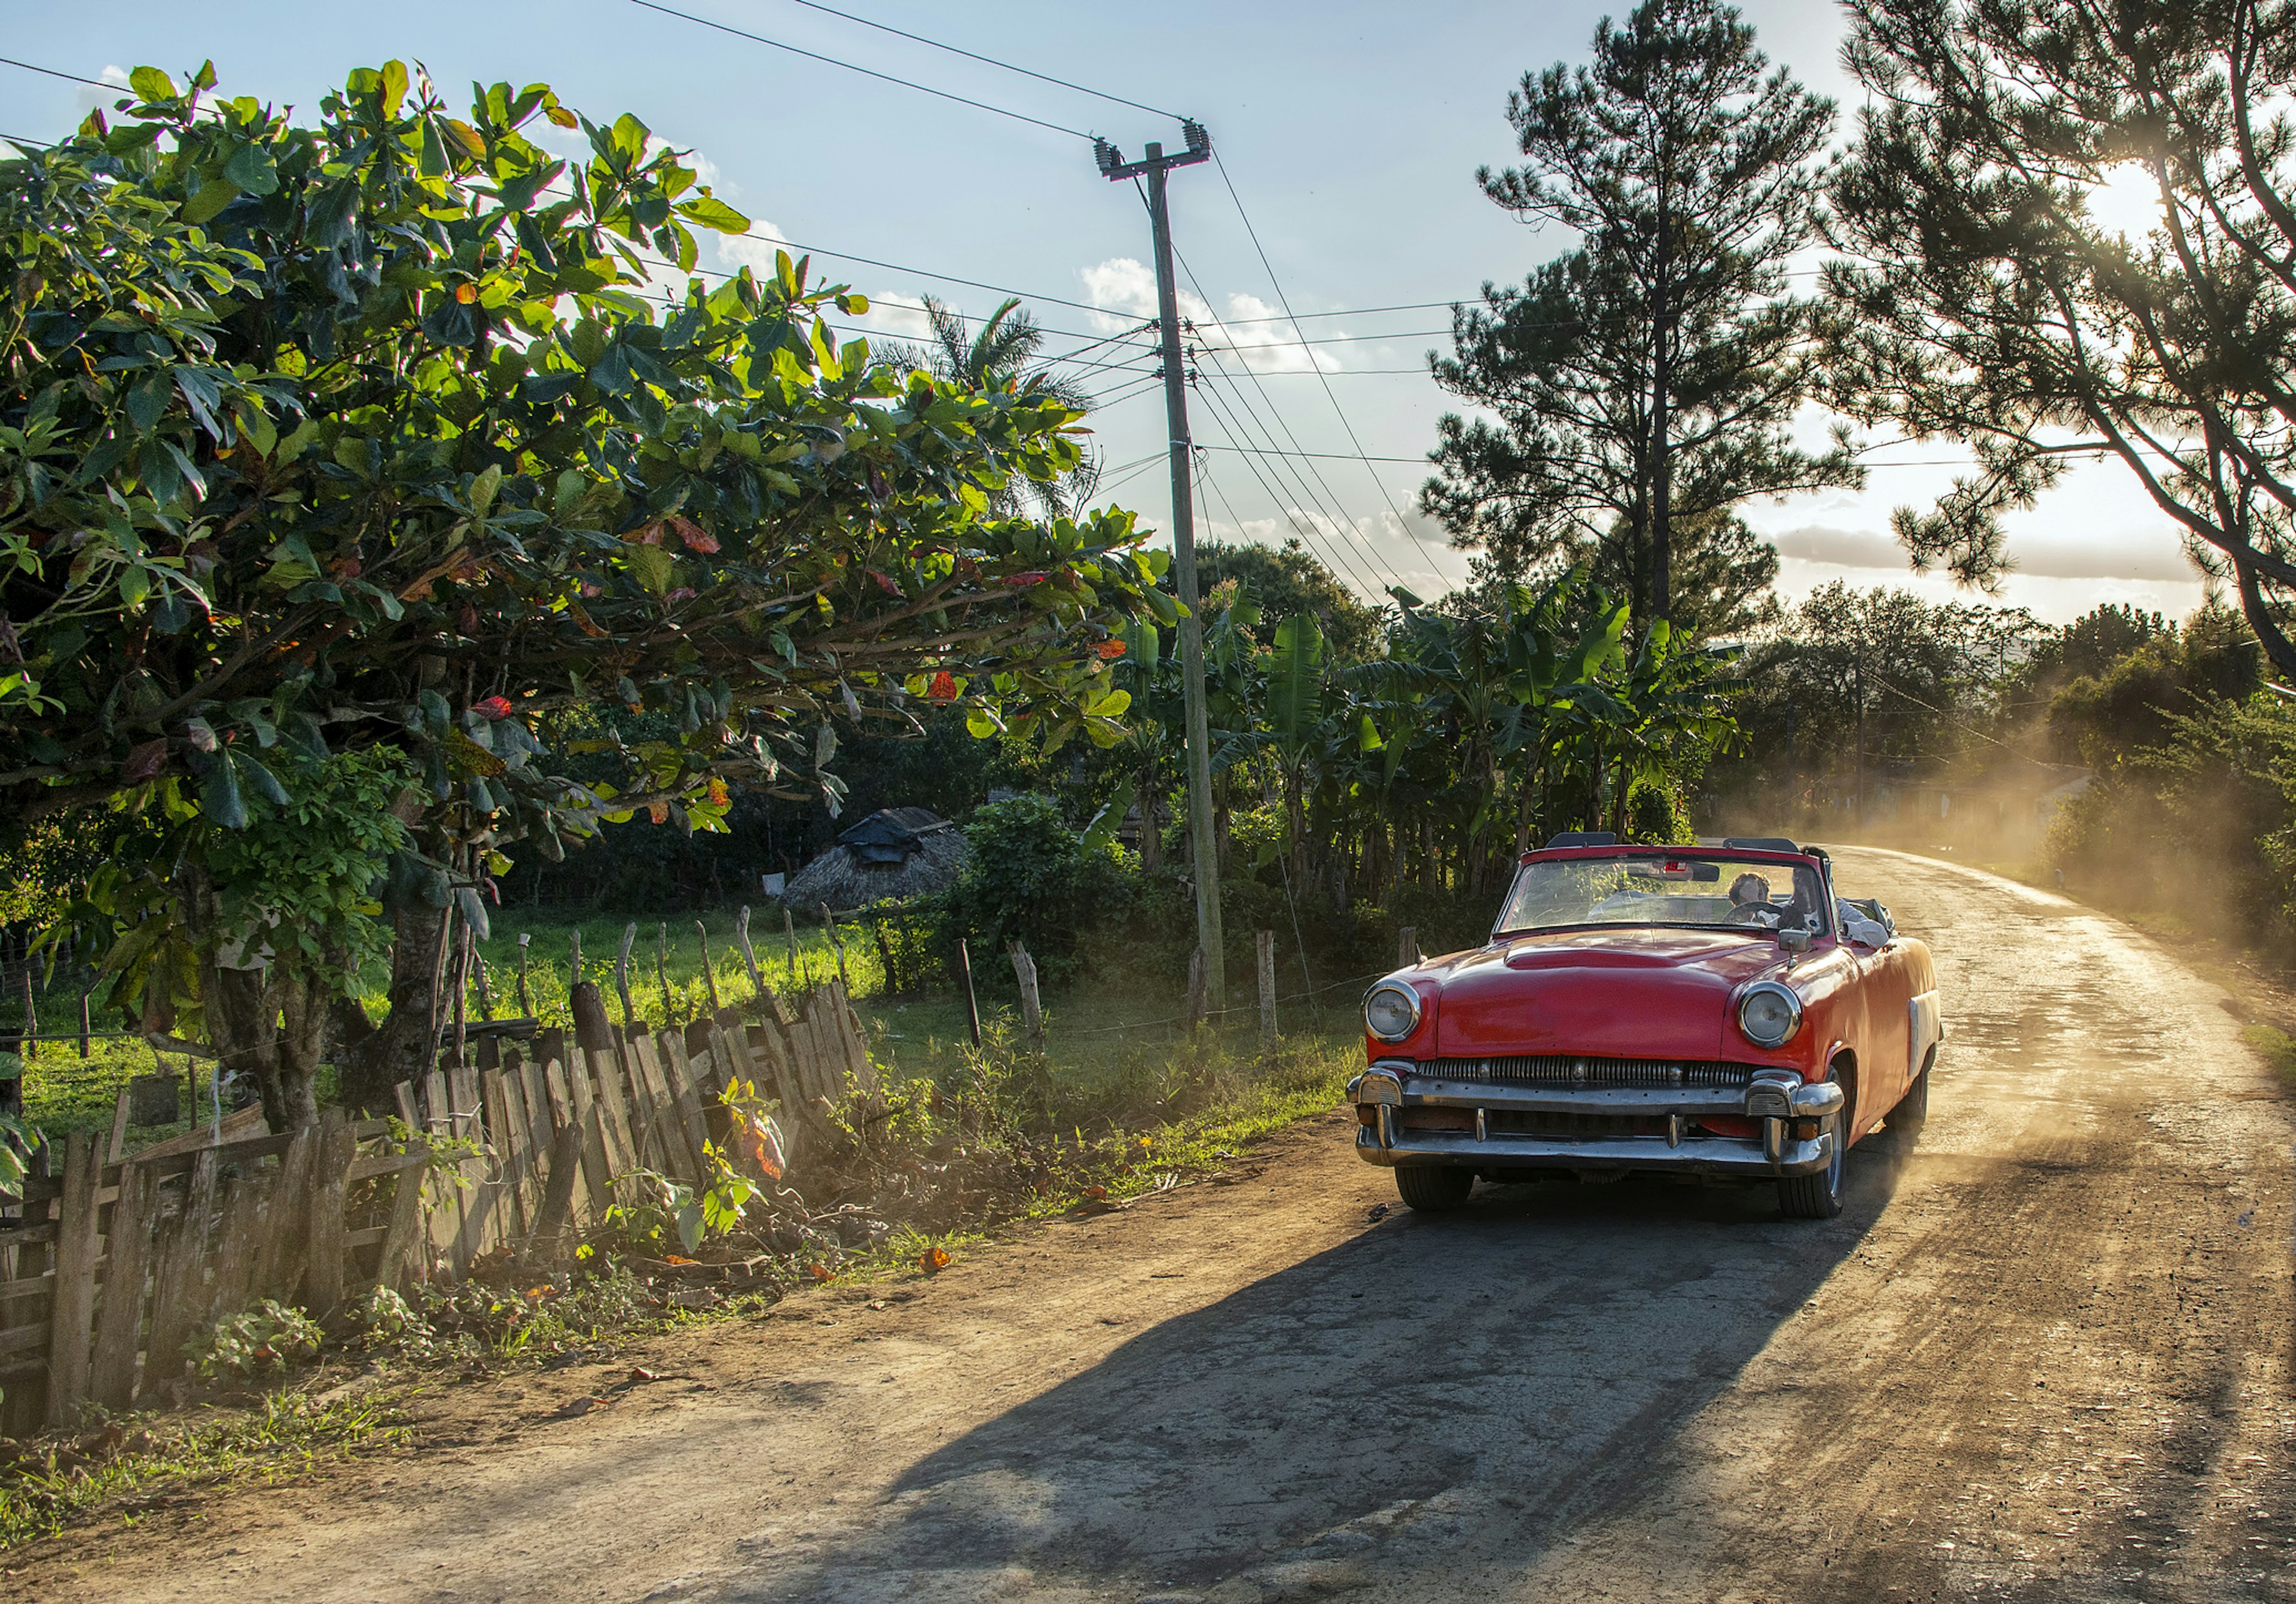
[[2046, 1356]]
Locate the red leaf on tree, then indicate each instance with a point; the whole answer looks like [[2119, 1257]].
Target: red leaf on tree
[[646, 535], [684, 593], [1022, 581], [1111, 648], [658, 811], [943, 688], [493, 707], [695, 537], [890, 588]]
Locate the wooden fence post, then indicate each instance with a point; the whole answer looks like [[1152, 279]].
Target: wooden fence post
[[525, 999], [116, 1148], [972, 1002], [661, 968], [709, 975], [324, 1278], [1267, 993], [1032, 1008], [838, 942], [749, 957], [111, 1367], [30, 1047], [84, 1024], [789, 929], [73, 1313], [402, 1236], [1407, 946], [1196, 989], [622, 973]]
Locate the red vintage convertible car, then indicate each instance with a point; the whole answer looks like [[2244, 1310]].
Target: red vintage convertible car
[[1712, 1012]]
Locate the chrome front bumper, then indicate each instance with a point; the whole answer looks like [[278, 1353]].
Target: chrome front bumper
[[1774, 1100]]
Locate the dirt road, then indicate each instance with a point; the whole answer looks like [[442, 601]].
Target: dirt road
[[2048, 1356]]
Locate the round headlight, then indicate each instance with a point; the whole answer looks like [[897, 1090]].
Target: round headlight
[[1391, 1011], [1769, 1013]]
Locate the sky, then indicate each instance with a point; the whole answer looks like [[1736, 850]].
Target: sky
[[1350, 132]]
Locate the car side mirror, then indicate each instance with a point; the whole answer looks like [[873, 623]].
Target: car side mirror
[[1794, 941]]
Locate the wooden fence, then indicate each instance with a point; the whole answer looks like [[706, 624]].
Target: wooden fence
[[552, 1132], [113, 1268]]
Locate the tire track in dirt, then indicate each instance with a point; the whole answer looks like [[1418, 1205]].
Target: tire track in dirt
[[1643, 1392]]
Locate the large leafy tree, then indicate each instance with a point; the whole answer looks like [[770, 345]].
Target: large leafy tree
[[1993, 304], [1644, 383], [369, 436]]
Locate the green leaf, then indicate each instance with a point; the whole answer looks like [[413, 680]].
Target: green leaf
[[652, 567], [215, 194], [482, 490], [152, 83], [1295, 680], [713, 213], [252, 169], [219, 797]]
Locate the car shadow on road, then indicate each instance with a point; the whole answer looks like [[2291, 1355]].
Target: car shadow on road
[[1433, 1387]]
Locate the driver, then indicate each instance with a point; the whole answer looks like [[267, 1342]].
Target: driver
[[1750, 901]]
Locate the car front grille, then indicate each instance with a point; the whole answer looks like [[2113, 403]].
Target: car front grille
[[1577, 1072]]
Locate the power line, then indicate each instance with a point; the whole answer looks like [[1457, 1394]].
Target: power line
[[988, 60], [1326, 542], [1326, 505], [1354, 532], [69, 78], [1335, 456], [1285, 302], [814, 55]]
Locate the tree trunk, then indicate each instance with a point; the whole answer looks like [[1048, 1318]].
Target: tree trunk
[[1662, 466], [406, 1046]]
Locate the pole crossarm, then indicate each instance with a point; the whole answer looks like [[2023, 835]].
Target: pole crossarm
[[1115, 169]]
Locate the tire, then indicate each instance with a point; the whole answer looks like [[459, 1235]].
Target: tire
[[1434, 1188], [1818, 1196], [1913, 1110]]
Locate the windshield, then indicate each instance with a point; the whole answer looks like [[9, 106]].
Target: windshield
[[1697, 889]]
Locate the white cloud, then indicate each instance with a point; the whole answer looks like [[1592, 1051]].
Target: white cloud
[[1251, 333]]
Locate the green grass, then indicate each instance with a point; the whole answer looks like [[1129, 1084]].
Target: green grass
[[151, 1457], [1097, 1036]]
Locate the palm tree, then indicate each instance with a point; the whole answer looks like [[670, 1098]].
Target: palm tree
[[1003, 355]]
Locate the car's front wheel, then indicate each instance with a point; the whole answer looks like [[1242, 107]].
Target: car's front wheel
[[1433, 1188], [1819, 1195]]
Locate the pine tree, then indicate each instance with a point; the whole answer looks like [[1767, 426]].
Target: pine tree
[[1994, 306], [1643, 382]]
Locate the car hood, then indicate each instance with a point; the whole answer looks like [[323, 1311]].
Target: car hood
[[1608, 994]]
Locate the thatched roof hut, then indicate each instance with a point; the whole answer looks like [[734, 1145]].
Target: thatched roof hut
[[893, 854]]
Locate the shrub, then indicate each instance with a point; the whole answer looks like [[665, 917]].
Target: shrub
[[1027, 873], [259, 1341]]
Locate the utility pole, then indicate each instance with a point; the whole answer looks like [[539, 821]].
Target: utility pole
[[1153, 166]]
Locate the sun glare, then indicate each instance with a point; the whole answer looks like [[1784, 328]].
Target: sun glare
[[2127, 202]]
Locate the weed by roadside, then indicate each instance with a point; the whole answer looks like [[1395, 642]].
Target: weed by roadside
[[135, 1464], [2277, 1049]]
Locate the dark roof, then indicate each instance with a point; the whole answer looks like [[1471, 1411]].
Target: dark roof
[[889, 835]]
